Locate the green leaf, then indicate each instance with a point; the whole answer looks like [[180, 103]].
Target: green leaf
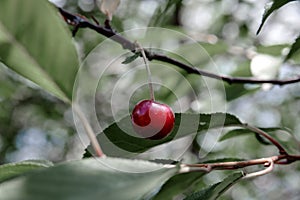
[[121, 134], [8, 87], [242, 132], [294, 49], [130, 59], [270, 9], [163, 16], [237, 90], [214, 49], [273, 50], [282, 135], [103, 178], [35, 43], [216, 190], [12, 170], [234, 91], [178, 184]]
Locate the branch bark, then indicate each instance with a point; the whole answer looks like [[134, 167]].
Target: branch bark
[[268, 162], [81, 22]]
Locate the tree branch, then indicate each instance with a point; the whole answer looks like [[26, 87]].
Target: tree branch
[[268, 162], [267, 136], [81, 22]]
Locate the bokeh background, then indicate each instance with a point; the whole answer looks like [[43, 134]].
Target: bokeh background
[[35, 125]]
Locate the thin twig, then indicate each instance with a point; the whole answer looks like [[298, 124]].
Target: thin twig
[[89, 131], [80, 22], [281, 149]]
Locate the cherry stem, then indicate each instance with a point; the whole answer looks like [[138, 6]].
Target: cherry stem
[[148, 72]]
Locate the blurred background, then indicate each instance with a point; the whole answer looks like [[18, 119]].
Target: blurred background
[[35, 125]]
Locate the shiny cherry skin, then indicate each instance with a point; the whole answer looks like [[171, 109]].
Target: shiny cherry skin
[[152, 120]]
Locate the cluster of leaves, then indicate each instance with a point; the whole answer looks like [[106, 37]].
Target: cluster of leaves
[[91, 178]]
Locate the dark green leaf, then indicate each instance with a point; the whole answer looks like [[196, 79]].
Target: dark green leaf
[[269, 10], [164, 161], [242, 132], [178, 184], [216, 190], [262, 140], [163, 14], [130, 59], [235, 133], [35, 43], [11, 170], [104, 178], [294, 49], [237, 90], [223, 160], [120, 135], [282, 135]]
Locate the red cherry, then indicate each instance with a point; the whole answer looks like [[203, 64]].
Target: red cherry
[[152, 120]]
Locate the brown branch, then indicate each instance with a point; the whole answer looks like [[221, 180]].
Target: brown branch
[[193, 70], [267, 162], [262, 133], [283, 159], [81, 22], [234, 164]]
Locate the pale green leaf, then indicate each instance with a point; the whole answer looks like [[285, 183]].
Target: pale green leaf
[[11, 170], [35, 43], [103, 178]]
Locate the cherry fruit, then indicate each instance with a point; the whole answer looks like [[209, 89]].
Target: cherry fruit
[[152, 120]]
